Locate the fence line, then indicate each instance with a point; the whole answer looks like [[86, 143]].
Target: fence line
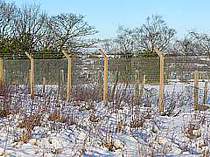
[[105, 79]]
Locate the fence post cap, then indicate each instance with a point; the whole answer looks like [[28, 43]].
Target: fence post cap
[[103, 52], [160, 54], [67, 55], [28, 55]]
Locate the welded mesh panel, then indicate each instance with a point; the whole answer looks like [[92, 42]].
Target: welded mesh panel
[[182, 68], [130, 67], [51, 70], [16, 71], [180, 88], [87, 78], [85, 70]]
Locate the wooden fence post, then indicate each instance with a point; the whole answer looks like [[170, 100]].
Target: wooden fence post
[[196, 87], [32, 74], [62, 81], [61, 84], [69, 76], [105, 89], [137, 83], [44, 85], [205, 92], [161, 92], [142, 87], [99, 76], [29, 79], [1, 72]]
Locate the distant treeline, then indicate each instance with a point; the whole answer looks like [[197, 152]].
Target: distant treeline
[[29, 29]]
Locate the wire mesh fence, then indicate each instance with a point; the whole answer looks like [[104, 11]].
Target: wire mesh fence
[[133, 88], [88, 73]]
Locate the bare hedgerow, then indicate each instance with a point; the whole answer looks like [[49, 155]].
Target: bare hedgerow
[[56, 116], [5, 101], [192, 128]]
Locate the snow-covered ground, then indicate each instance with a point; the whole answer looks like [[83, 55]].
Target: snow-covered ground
[[46, 126]]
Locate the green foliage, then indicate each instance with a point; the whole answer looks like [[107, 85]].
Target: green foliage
[[5, 50]]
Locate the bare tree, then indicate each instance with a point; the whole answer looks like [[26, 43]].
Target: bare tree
[[71, 31], [125, 40], [7, 14], [29, 27], [203, 42], [48, 40], [193, 44], [153, 34], [109, 45]]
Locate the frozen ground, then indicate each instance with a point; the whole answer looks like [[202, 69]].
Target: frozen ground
[[46, 126]]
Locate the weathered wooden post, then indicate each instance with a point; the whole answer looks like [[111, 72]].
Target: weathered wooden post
[[196, 87], [62, 82], [29, 78], [205, 92], [62, 77], [137, 83], [44, 85], [161, 92], [142, 87], [69, 76], [105, 89], [99, 76], [32, 74], [1, 72]]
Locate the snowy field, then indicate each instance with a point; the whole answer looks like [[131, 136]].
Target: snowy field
[[50, 127]]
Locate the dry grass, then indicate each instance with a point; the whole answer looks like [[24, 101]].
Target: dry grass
[[30, 122], [57, 117], [192, 131], [5, 112]]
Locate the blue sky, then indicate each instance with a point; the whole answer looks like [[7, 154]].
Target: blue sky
[[107, 15]]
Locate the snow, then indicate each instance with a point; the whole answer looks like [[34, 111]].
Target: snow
[[78, 135]]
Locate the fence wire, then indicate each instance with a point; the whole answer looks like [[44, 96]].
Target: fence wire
[[87, 72]]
